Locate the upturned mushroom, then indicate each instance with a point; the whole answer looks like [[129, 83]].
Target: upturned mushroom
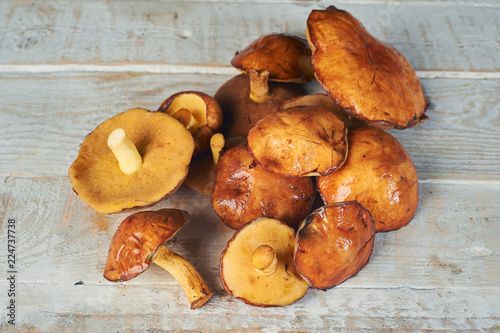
[[244, 190], [364, 76], [273, 67], [299, 141], [133, 159], [334, 243], [379, 174], [140, 241], [257, 265], [199, 112]]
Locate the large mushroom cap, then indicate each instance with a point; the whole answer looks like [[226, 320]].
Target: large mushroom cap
[[137, 239], [379, 174], [165, 146], [286, 57], [363, 75], [334, 243], [244, 268], [299, 141], [244, 190]]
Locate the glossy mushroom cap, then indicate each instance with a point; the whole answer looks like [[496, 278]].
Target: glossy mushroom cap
[[244, 190], [379, 174], [166, 148], [135, 242], [286, 57], [245, 261], [299, 141], [364, 76], [334, 243]]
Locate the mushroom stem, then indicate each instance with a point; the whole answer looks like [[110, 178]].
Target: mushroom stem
[[186, 275], [217, 143], [185, 117], [264, 260], [129, 159], [259, 85]]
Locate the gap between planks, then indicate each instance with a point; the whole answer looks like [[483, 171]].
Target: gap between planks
[[185, 69]]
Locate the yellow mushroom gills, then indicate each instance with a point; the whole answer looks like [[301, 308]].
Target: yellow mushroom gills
[[217, 143], [264, 260], [125, 151]]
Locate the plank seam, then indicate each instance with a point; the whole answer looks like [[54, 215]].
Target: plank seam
[[187, 69]]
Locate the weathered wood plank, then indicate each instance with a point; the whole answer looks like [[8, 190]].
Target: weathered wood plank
[[441, 37], [45, 119], [440, 272]]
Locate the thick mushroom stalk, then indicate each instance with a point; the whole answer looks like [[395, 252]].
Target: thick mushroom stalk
[[265, 260], [186, 275], [217, 143], [129, 159], [259, 85]]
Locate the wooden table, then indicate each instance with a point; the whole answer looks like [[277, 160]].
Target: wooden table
[[67, 66]]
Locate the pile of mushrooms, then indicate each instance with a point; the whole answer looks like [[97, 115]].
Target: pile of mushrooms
[[262, 149]]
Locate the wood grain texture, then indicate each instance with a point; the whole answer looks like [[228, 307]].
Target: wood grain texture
[[443, 37], [42, 128], [440, 272]]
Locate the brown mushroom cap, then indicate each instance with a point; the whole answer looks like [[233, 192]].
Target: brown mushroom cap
[[166, 148], [299, 141], [286, 57], [137, 239], [205, 110], [334, 243], [283, 286], [241, 112], [244, 190], [379, 174], [364, 76]]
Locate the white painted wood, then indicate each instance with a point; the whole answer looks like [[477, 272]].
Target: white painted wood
[[41, 129], [432, 35], [439, 272], [65, 67]]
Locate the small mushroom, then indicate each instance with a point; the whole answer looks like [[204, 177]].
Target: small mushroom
[[379, 174], [139, 241], [334, 243], [299, 141], [257, 265], [199, 112], [244, 190], [273, 67], [364, 76], [133, 159], [287, 58]]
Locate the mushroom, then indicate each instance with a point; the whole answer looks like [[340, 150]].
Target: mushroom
[[199, 112], [379, 174], [139, 241], [364, 76], [133, 159], [287, 58], [281, 58], [299, 141], [257, 265], [244, 190], [334, 243]]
